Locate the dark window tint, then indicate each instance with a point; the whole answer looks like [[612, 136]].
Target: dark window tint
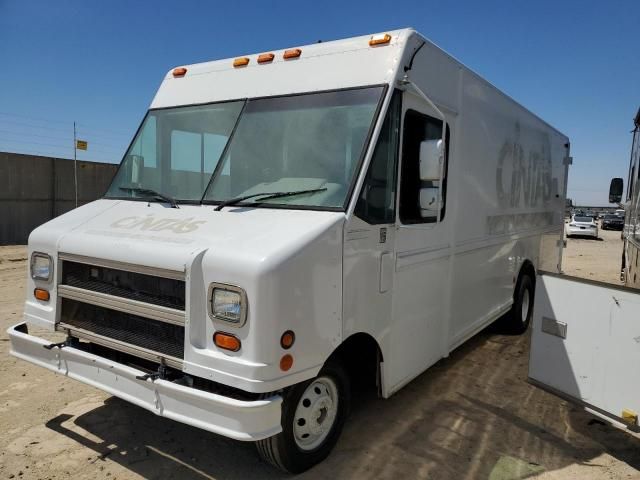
[[419, 128]]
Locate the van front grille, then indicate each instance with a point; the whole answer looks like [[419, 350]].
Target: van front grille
[[163, 338], [154, 290]]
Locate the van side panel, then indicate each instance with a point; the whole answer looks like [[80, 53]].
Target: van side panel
[[509, 176], [505, 194]]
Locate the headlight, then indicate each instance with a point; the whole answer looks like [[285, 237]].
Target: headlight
[[228, 304], [41, 266]]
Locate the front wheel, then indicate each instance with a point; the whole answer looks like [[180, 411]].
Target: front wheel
[[313, 414]]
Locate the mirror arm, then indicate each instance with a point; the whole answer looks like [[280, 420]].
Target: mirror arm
[[406, 81]]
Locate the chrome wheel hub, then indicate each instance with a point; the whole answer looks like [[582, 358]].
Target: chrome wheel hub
[[525, 306], [316, 413]]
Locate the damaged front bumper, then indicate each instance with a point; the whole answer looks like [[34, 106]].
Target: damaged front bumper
[[233, 418]]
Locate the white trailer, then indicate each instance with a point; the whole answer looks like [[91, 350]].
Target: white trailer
[[286, 223]]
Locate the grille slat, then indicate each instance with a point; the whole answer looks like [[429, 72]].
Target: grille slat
[[165, 292], [157, 336]]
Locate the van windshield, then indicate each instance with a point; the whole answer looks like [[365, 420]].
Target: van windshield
[[216, 152]]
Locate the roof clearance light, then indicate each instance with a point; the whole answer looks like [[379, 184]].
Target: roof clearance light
[[293, 53], [266, 58], [179, 72], [381, 39], [241, 62]]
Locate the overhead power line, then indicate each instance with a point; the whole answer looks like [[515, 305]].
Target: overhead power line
[[27, 134], [109, 131], [119, 133], [54, 138], [48, 120], [42, 127], [23, 142], [111, 146]]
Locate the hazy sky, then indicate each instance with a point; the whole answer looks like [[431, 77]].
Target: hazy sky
[[574, 63]]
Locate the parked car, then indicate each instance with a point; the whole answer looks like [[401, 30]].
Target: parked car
[[582, 226], [612, 222]]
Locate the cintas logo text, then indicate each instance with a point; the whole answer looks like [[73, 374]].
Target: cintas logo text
[[150, 223]]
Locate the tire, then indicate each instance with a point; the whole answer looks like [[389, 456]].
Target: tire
[[305, 408], [518, 319]]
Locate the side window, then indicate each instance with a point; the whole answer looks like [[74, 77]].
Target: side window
[[420, 186], [376, 204]]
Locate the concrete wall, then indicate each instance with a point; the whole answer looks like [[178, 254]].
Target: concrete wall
[[35, 189]]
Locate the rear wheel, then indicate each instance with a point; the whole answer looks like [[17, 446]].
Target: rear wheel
[[313, 413], [518, 319]]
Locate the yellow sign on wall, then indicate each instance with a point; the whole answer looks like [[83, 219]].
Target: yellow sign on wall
[[81, 144]]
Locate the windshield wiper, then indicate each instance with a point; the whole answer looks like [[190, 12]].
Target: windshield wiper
[[265, 196], [152, 194]]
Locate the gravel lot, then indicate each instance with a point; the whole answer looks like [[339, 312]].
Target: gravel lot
[[471, 416]]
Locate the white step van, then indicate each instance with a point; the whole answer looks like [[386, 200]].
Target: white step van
[[286, 224]]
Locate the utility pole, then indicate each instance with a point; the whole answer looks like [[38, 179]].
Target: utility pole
[[75, 164]]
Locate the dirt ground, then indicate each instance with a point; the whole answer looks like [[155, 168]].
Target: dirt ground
[[594, 259], [471, 416]]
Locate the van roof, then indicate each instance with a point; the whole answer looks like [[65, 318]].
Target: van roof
[[321, 66], [332, 65]]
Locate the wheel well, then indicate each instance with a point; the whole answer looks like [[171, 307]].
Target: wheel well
[[360, 355]]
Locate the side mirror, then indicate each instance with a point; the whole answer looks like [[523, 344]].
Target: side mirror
[[431, 156], [135, 168], [431, 160], [615, 190]]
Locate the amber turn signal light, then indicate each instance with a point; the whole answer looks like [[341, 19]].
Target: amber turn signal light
[[293, 53], [286, 362], [226, 341], [380, 39], [287, 339], [41, 294], [266, 58], [241, 62], [179, 72]]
